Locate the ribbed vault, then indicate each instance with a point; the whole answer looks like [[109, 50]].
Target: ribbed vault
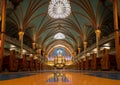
[[31, 17]]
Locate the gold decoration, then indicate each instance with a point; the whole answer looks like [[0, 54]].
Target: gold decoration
[[74, 53], [21, 33], [39, 51], [98, 32], [79, 50], [33, 45], [85, 44]]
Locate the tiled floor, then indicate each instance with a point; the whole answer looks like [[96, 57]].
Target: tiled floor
[[60, 78]]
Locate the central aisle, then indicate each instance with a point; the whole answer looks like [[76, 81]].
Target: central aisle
[[60, 78]]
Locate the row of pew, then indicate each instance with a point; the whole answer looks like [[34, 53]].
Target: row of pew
[[13, 63], [92, 62]]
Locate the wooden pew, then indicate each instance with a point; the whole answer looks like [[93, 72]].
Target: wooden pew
[[105, 61], [31, 64], [23, 64], [10, 62], [83, 62], [36, 64], [86, 63], [93, 62], [113, 63], [98, 62], [90, 64]]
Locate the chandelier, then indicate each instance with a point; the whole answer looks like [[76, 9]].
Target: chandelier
[[59, 9]]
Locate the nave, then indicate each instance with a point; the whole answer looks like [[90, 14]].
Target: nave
[[52, 42]]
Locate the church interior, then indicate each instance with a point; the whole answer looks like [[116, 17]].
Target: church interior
[[59, 42]]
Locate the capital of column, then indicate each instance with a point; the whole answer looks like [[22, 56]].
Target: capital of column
[[21, 34], [33, 45], [85, 44], [98, 32]]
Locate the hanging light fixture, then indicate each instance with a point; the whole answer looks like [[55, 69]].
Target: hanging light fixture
[[59, 9]]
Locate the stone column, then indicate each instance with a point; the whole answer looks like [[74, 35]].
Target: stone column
[[2, 35], [21, 34], [33, 45], [116, 28], [79, 49], [85, 46], [98, 32]]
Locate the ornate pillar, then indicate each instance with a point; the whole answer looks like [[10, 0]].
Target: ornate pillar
[[79, 50], [33, 45], [2, 35], [116, 28], [74, 54], [98, 32], [39, 51], [21, 34], [105, 62], [85, 46]]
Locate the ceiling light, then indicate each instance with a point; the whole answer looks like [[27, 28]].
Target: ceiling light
[[59, 8], [88, 54], [12, 47], [106, 45], [24, 51], [95, 50], [59, 36]]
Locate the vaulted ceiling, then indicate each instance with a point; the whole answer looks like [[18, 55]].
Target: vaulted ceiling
[[31, 16]]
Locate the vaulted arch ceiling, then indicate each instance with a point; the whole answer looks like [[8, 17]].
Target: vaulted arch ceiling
[[31, 16]]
